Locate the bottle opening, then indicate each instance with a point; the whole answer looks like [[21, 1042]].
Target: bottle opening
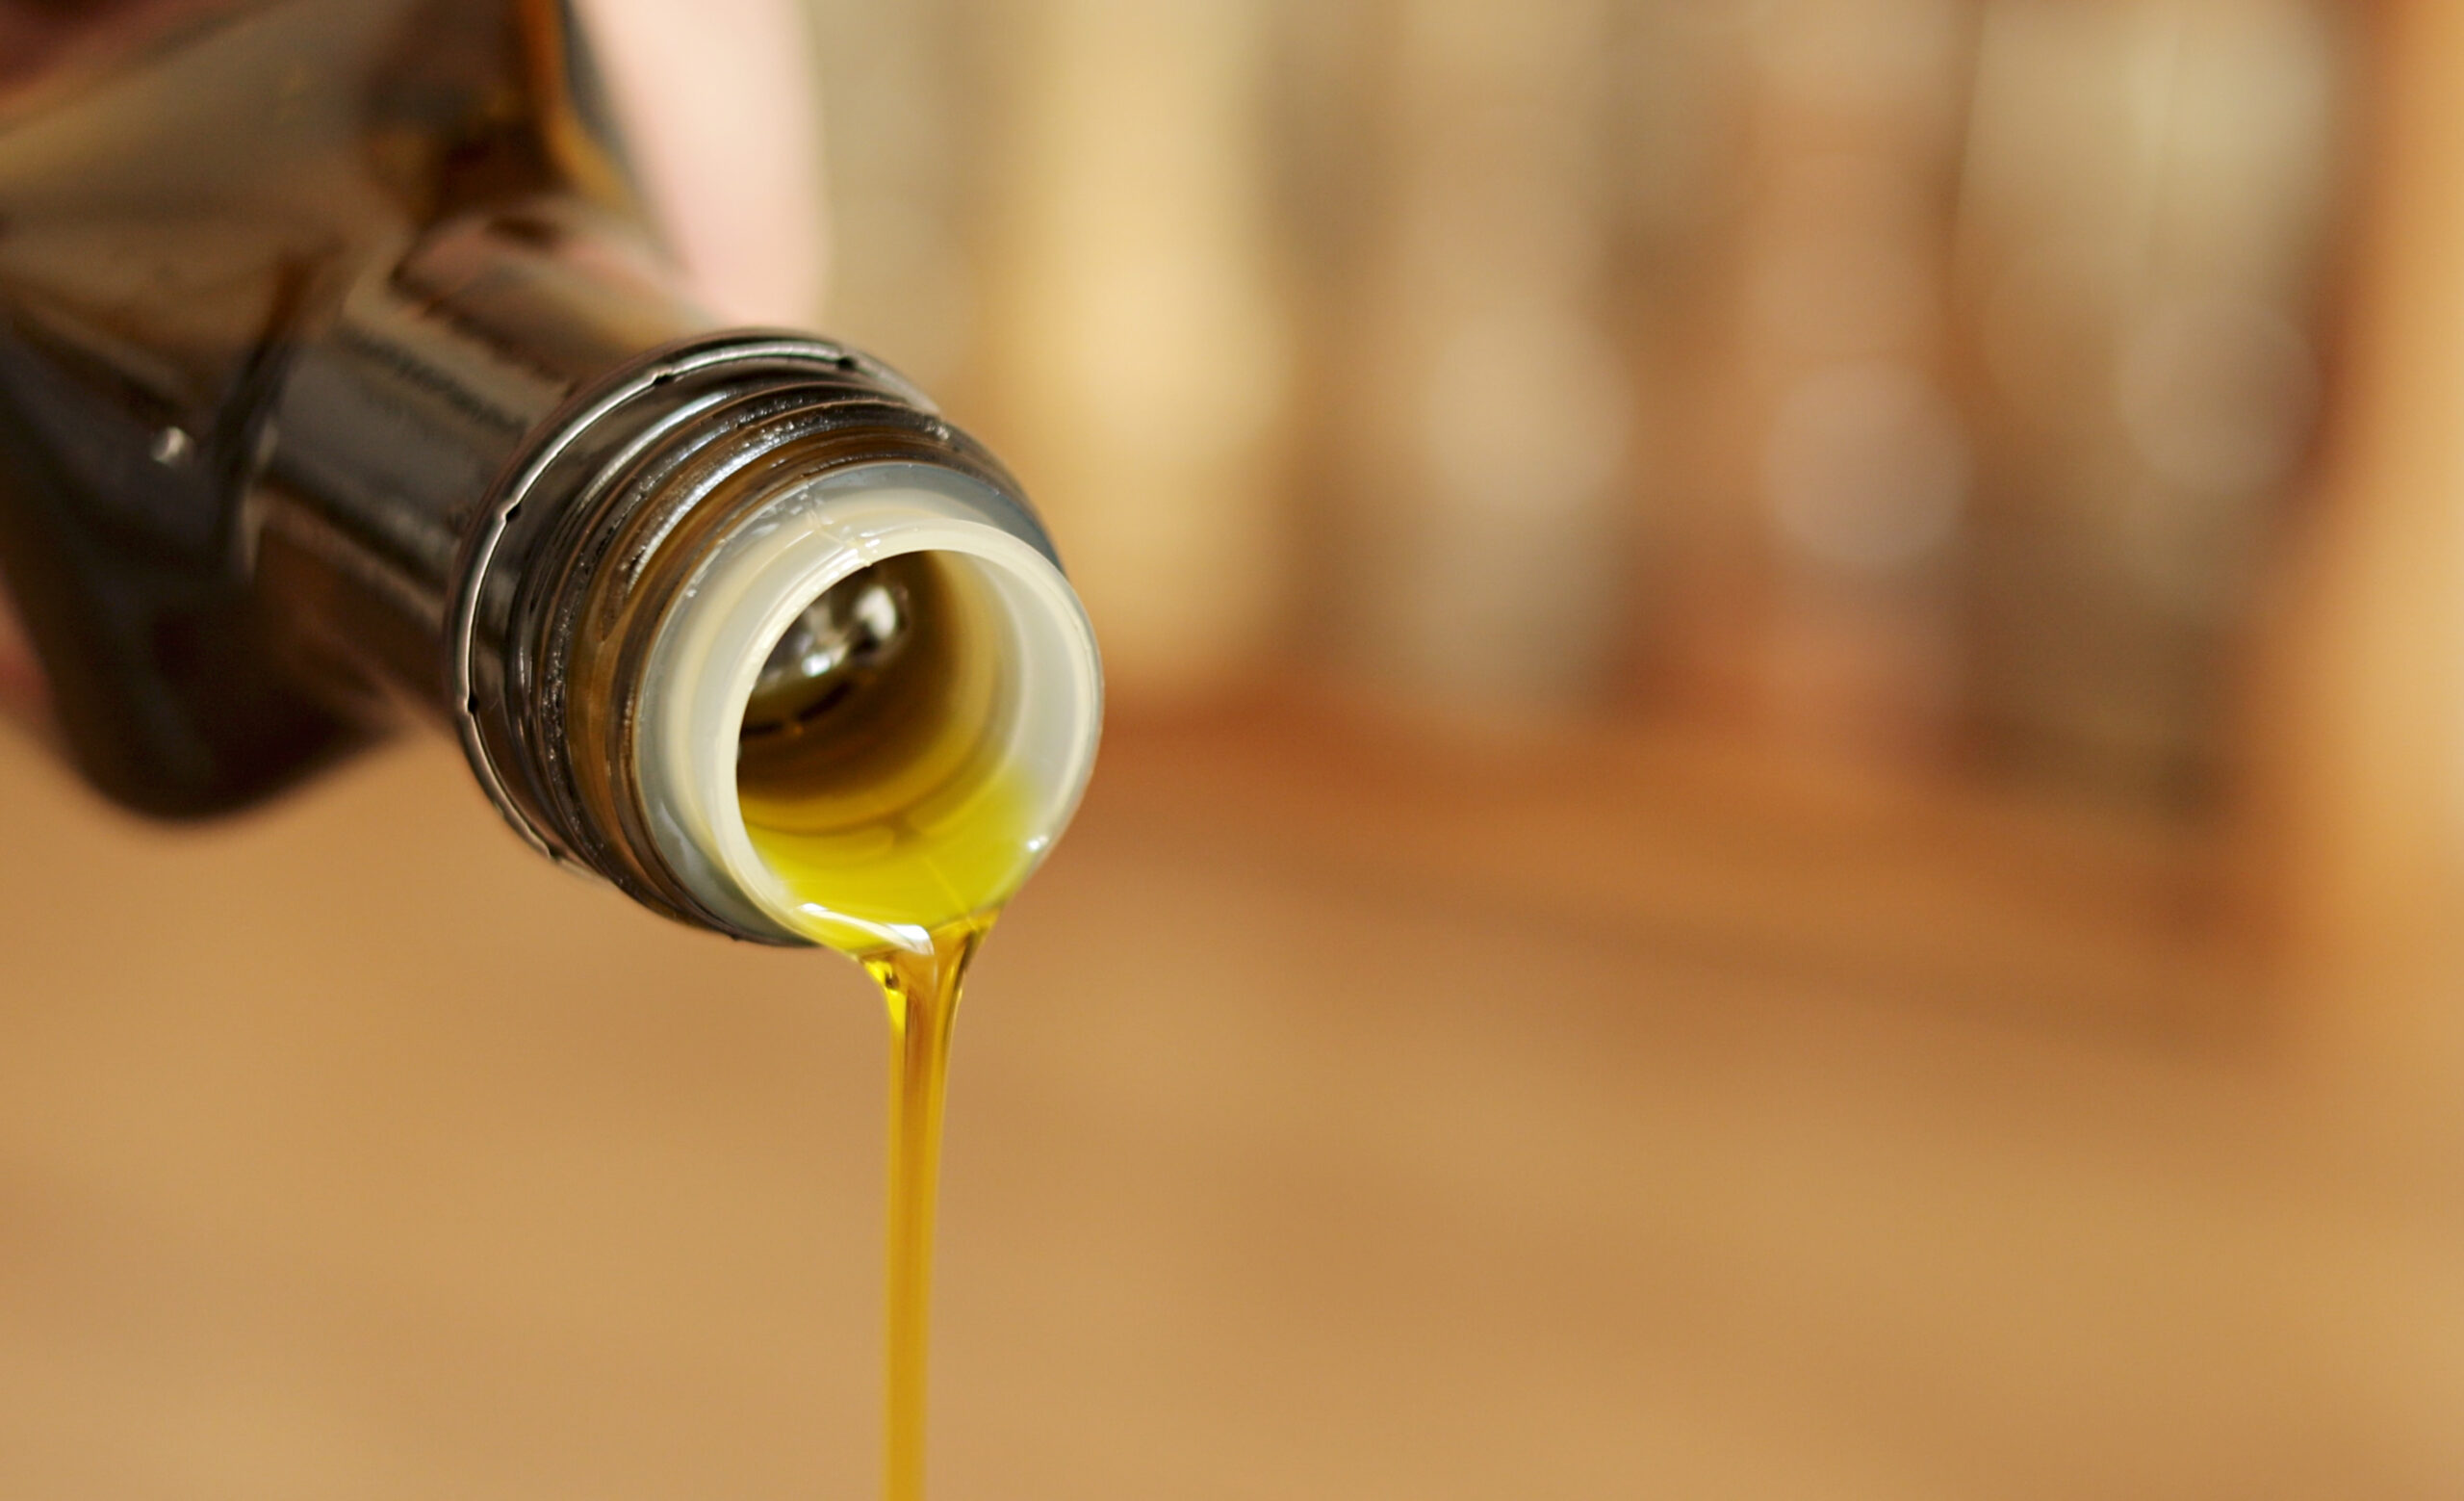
[[870, 715]]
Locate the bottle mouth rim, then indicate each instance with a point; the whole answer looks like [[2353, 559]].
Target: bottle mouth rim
[[771, 565]]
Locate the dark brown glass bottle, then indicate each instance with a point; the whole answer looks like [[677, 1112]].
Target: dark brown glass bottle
[[339, 371]]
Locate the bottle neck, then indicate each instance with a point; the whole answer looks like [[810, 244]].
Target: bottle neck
[[502, 480], [393, 419]]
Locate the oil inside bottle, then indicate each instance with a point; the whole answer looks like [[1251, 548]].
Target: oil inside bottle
[[875, 783], [871, 768]]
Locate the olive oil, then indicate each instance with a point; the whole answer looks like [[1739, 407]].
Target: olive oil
[[870, 769], [922, 988], [871, 780]]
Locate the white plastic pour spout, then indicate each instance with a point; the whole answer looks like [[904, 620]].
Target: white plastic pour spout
[[710, 651]]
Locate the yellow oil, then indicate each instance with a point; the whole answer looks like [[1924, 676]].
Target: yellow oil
[[890, 807], [923, 994], [901, 829]]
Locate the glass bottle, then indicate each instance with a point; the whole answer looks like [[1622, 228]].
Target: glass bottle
[[341, 374]]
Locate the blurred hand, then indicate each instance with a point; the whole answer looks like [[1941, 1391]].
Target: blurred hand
[[719, 101]]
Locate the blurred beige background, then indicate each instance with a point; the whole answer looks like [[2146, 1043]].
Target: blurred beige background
[[1783, 819], [353, 1151]]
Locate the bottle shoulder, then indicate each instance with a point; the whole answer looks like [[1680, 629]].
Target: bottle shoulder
[[190, 191]]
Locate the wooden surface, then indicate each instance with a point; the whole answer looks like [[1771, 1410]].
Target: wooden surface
[[350, 1151]]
